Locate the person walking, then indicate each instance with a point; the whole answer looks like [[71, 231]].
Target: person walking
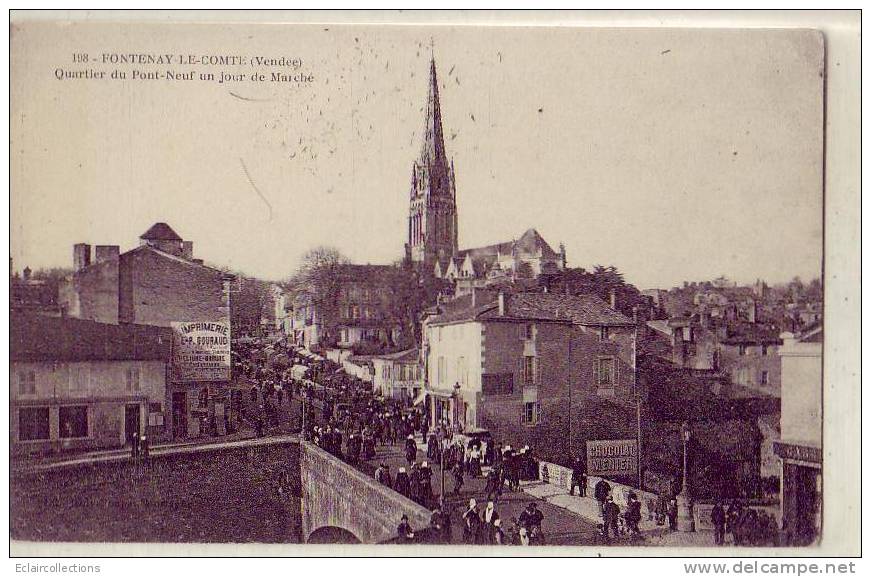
[[633, 514], [601, 493], [410, 450], [400, 484], [382, 475], [471, 523], [490, 518], [458, 479], [494, 485], [718, 519], [612, 513], [672, 514], [498, 533], [579, 478]]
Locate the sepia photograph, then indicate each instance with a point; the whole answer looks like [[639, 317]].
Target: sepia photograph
[[526, 289]]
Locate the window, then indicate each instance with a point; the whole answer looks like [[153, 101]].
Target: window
[[73, 422], [529, 366], [606, 370], [603, 333], [132, 376], [764, 350], [27, 383], [441, 371], [33, 424], [531, 413], [742, 350], [529, 332], [79, 375], [461, 370], [763, 378]]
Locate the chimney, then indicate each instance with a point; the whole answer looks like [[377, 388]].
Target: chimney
[[187, 249], [81, 256], [614, 299], [104, 252], [501, 304]]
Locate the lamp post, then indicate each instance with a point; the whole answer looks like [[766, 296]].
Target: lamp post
[[685, 520]]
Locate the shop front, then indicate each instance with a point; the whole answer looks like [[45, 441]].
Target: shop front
[[801, 492]]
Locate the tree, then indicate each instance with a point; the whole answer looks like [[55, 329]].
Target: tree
[[317, 282]]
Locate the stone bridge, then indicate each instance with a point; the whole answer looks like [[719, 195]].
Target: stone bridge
[[342, 504]]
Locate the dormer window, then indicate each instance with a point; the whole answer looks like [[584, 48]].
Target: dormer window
[[604, 333]]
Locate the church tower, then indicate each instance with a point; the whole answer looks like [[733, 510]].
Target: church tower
[[432, 219]]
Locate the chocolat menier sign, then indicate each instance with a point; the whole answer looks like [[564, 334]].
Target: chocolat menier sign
[[201, 351], [612, 458]]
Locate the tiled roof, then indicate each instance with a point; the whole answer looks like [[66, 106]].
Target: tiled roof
[[751, 333], [160, 231], [365, 272], [43, 338], [581, 310], [402, 356]]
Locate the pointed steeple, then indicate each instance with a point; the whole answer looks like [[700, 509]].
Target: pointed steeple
[[432, 153]]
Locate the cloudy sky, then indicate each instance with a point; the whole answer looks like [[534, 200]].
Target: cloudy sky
[[673, 155]]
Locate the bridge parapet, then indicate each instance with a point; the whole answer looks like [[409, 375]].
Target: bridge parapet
[[335, 494]]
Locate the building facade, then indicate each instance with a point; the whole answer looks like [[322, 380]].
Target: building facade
[[158, 283], [528, 366], [801, 429], [398, 376], [79, 384]]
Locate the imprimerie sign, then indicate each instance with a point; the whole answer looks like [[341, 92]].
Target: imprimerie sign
[[201, 351], [613, 458]]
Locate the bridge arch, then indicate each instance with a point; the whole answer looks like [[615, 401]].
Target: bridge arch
[[332, 535], [335, 494]]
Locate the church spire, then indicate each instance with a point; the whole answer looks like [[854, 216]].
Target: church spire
[[432, 153]]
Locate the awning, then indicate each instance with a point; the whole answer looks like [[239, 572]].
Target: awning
[[420, 398]]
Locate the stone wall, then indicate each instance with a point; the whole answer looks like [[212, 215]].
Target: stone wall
[[334, 494], [206, 494]]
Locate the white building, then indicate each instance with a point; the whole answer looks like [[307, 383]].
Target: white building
[[398, 376], [800, 445]]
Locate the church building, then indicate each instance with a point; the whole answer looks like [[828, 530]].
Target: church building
[[432, 222]]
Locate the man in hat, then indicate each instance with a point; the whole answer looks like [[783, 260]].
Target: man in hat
[[612, 513], [410, 450], [404, 532]]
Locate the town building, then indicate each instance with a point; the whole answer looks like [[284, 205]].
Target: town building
[[801, 430], [79, 384], [360, 310], [398, 376], [160, 283], [527, 367]]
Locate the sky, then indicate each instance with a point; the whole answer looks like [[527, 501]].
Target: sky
[[671, 154]]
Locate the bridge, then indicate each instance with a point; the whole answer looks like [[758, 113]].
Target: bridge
[[341, 504]]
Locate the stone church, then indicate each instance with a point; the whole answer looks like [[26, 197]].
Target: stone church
[[432, 222]]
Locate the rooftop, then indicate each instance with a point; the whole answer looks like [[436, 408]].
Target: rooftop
[[580, 309], [160, 231], [43, 338]]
